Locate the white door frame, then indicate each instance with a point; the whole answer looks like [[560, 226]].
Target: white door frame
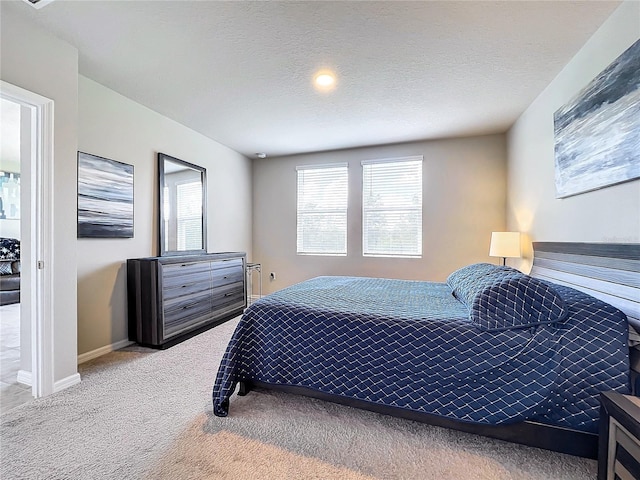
[[41, 242]]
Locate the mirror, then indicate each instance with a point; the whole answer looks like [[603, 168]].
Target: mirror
[[182, 207]]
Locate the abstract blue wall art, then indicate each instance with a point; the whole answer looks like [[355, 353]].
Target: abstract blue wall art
[[105, 198], [597, 134]]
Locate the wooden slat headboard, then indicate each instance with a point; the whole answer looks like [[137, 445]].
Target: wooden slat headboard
[[608, 271]]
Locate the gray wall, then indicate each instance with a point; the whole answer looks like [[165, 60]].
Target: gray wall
[[608, 215], [464, 184], [35, 61], [115, 127]]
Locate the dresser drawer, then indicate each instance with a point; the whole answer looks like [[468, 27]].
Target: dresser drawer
[[186, 289], [180, 274], [624, 451], [185, 311], [231, 295], [227, 272]]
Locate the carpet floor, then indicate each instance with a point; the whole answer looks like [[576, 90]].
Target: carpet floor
[[146, 414]]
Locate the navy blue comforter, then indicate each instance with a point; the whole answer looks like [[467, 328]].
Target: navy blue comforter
[[411, 345]]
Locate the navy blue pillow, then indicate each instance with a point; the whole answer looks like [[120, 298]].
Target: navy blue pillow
[[463, 281], [502, 298]]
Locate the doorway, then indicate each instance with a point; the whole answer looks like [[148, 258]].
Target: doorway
[[27, 224], [13, 389]]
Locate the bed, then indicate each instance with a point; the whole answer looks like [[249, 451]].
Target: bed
[[492, 351]]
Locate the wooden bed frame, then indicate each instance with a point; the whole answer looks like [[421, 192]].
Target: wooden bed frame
[[610, 272]]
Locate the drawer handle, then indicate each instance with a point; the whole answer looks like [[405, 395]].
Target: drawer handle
[[228, 294]]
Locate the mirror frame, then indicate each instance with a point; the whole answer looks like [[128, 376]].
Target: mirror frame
[[203, 176]]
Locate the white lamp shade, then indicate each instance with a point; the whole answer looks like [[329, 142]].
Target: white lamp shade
[[505, 244]]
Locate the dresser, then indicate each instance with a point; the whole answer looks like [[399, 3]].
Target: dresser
[[173, 298]]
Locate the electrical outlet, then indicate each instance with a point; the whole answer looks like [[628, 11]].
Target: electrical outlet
[[272, 276]]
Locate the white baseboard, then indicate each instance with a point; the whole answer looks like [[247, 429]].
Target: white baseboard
[[98, 352], [24, 377], [66, 382]]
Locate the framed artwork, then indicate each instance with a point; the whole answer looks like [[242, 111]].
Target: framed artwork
[[597, 134], [105, 198], [9, 196]]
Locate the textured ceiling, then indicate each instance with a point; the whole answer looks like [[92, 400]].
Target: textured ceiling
[[240, 72]]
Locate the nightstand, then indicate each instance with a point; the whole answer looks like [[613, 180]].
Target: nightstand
[[619, 440]]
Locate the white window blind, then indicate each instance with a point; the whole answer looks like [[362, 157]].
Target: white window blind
[[322, 209], [189, 215], [392, 207]]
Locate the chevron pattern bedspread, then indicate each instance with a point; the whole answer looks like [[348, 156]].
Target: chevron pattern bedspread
[[411, 345]]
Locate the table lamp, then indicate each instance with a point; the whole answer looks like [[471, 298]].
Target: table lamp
[[505, 245]]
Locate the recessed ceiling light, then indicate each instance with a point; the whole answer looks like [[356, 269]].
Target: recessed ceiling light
[[324, 80], [261, 155]]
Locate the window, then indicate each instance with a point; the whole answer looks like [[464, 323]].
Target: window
[[392, 207], [189, 215], [322, 209]]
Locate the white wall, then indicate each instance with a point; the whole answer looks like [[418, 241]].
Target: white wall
[[35, 61], [115, 127], [10, 228], [9, 158], [608, 215], [464, 185]]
